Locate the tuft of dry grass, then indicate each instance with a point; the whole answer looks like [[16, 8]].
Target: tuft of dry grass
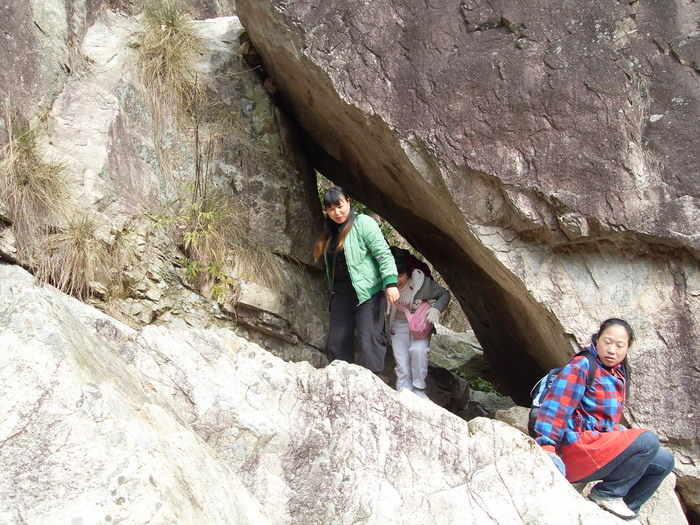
[[33, 189], [169, 53], [61, 247], [74, 259]]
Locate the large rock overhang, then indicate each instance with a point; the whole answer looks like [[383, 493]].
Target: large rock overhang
[[536, 155]]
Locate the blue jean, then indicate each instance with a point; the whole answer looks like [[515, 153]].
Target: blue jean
[[636, 473]]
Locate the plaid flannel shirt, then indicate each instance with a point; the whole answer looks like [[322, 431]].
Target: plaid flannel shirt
[[569, 408]]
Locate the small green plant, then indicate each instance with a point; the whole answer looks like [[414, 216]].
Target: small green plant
[[220, 251], [73, 259], [223, 282], [204, 244], [33, 189], [222, 285], [482, 385]]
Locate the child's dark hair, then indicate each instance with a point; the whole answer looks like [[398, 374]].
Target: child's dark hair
[[611, 322], [401, 267]]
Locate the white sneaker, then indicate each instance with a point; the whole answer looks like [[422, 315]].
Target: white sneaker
[[615, 506], [420, 393]]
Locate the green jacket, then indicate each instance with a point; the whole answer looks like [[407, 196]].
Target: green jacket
[[370, 262]]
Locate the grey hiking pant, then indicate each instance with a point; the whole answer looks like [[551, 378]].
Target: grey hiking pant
[[366, 322]]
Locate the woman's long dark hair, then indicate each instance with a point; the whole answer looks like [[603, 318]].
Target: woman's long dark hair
[[611, 322], [332, 198]]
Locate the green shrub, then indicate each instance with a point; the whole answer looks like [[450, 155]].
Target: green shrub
[[482, 385], [220, 250]]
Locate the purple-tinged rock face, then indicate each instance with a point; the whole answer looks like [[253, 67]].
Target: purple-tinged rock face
[[542, 155]]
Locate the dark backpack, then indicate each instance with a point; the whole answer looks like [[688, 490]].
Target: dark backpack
[[539, 391]]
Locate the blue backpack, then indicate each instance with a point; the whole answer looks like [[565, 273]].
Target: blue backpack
[[539, 391]]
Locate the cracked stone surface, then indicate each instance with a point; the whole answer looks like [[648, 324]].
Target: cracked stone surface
[[542, 155], [165, 425], [83, 438], [100, 126]]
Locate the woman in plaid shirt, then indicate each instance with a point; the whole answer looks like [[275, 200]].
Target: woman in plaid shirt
[[581, 428]]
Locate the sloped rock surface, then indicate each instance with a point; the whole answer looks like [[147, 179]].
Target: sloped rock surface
[[557, 99], [541, 157], [104, 423], [83, 439]]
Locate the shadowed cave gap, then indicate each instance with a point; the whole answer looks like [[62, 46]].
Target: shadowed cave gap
[[519, 337]]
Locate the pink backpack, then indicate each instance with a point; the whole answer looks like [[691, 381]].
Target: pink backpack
[[418, 324]]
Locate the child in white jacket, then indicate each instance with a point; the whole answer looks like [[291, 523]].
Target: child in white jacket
[[411, 354]]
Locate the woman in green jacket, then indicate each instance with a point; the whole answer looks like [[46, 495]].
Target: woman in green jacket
[[360, 268]]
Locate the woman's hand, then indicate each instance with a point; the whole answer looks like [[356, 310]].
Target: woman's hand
[[392, 295]]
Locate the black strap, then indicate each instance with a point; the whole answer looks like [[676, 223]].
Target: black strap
[[592, 367], [628, 377], [626, 371], [335, 253], [330, 300]]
